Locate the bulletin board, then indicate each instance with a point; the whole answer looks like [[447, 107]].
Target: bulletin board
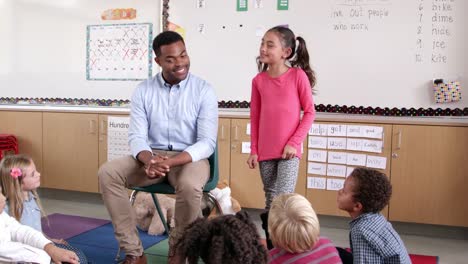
[[379, 53]]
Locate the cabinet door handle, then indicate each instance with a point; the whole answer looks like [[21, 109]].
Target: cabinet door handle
[[92, 126], [103, 127], [236, 134], [102, 133], [398, 146], [222, 132]]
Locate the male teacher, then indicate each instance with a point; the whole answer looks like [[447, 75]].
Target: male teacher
[[173, 130]]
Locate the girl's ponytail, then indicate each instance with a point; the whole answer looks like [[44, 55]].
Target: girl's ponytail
[[302, 61], [261, 66]]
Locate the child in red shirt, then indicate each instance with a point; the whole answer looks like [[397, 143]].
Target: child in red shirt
[[279, 92]]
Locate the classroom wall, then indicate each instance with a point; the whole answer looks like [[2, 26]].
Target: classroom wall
[[43, 47], [360, 58]]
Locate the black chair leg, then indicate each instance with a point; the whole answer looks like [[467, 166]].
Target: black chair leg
[[215, 202], [160, 213]]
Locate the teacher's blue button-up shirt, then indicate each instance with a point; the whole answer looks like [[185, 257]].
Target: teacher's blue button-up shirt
[[182, 117]]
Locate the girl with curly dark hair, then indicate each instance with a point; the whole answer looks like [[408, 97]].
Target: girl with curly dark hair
[[228, 239]]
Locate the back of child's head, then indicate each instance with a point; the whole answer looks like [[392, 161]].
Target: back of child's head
[[372, 189], [12, 169], [293, 224], [299, 57], [225, 239]]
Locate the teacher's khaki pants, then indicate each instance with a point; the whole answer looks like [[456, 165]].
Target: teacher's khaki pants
[[116, 175]]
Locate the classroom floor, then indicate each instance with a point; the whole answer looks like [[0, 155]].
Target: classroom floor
[[449, 243]]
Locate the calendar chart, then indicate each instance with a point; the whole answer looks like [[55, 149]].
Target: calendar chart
[[119, 52]]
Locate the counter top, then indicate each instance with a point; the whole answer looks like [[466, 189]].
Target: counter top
[[244, 113]]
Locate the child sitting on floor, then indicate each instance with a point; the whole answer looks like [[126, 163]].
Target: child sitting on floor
[[20, 243], [373, 240], [227, 239], [19, 180], [295, 233]]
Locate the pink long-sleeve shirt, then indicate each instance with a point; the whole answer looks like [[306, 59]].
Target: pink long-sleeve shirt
[[324, 252], [275, 113]]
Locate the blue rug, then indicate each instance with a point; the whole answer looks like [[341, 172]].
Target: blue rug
[[100, 245]]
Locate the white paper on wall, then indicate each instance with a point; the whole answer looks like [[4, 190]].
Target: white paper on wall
[[354, 131], [336, 143], [349, 170], [375, 146], [316, 183], [336, 130], [248, 129], [336, 170], [246, 147], [117, 137], [356, 159], [337, 157], [335, 184], [373, 132], [317, 155], [317, 168], [376, 162], [318, 130], [317, 142], [354, 144]]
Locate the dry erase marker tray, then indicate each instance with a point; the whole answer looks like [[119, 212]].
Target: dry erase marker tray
[[320, 108], [64, 102]]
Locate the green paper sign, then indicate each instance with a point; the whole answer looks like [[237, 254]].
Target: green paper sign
[[283, 4], [241, 5]]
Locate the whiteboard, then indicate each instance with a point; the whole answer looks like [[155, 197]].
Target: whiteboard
[[365, 52], [43, 47]]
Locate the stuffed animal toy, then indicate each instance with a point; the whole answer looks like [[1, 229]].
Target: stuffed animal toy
[[222, 193], [147, 216]]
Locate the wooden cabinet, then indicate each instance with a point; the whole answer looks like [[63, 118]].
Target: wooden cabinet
[[324, 201], [427, 164], [430, 175], [102, 138], [70, 151], [246, 183], [27, 127], [224, 149]]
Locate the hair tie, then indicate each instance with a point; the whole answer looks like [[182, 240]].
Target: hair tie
[[15, 173]]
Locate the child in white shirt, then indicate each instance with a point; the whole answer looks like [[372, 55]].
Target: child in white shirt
[[20, 243]]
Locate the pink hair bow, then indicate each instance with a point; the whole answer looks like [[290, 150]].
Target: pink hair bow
[[15, 173]]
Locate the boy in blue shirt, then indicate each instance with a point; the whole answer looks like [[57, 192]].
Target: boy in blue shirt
[[373, 240]]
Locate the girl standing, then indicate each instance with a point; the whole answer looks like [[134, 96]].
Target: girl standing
[[279, 92]]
